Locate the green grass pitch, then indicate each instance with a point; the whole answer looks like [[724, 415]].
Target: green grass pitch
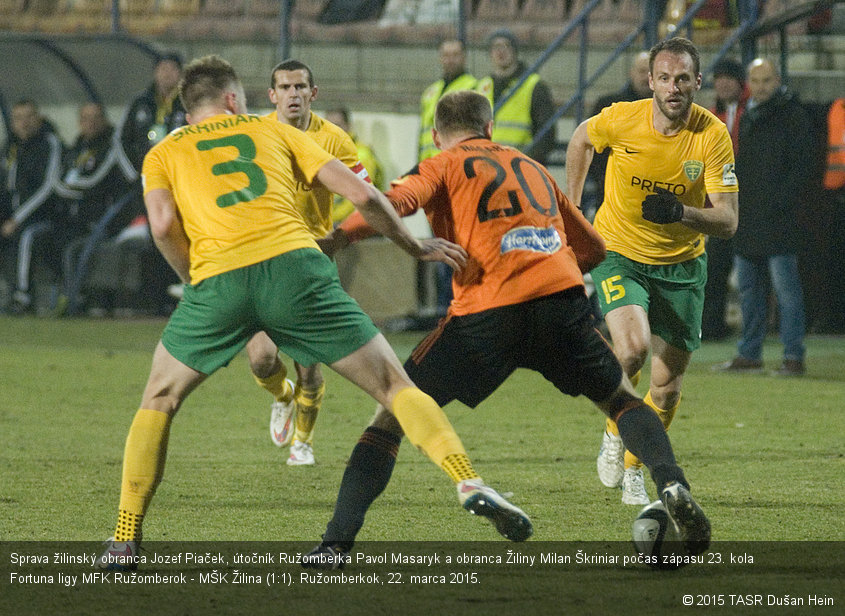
[[764, 455]]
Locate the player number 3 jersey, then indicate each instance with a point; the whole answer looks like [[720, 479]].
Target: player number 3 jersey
[[234, 179]]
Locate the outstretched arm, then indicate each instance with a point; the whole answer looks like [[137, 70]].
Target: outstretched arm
[[380, 215]]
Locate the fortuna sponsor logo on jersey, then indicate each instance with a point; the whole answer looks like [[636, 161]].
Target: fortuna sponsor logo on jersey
[[728, 175], [534, 239]]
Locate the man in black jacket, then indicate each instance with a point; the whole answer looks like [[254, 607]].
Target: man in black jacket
[[773, 169], [153, 114], [97, 191], [31, 216]]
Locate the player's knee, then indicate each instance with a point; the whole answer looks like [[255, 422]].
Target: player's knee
[[310, 377], [164, 400], [632, 357], [265, 366], [619, 401], [263, 356]]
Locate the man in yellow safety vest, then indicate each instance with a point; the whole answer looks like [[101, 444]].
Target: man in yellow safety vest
[[455, 77], [517, 122]]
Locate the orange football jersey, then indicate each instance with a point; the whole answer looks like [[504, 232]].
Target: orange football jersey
[[524, 237]]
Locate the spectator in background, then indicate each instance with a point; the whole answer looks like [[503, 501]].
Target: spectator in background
[[453, 58], [834, 177], [153, 114], [518, 121], [98, 187], [731, 95], [635, 89], [731, 98], [339, 116], [32, 220], [773, 171]]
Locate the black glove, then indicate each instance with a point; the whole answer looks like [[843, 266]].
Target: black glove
[[662, 207]]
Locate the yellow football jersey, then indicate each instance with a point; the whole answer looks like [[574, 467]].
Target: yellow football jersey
[[696, 161], [234, 178], [315, 202]]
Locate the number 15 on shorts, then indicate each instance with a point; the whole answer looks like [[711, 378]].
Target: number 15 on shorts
[[612, 291]]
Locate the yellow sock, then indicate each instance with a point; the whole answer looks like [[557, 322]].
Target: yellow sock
[[128, 526], [277, 385], [143, 466], [609, 424], [632, 461], [665, 416], [427, 428], [308, 403], [458, 467]]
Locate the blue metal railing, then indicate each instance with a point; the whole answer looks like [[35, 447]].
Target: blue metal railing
[[579, 21], [745, 35], [649, 27]]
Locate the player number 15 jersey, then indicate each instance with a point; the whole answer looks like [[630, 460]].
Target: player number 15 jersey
[[692, 163]]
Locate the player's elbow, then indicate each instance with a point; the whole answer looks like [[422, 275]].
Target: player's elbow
[[366, 196], [161, 225], [728, 227], [726, 219]]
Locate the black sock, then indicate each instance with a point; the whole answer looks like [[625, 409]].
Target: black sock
[[366, 476], [644, 436]]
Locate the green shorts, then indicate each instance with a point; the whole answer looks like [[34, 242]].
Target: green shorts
[[672, 295], [296, 298]]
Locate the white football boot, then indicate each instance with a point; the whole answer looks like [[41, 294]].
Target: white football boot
[[301, 454], [281, 420], [633, 487], [480, 499], [611, 461]]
